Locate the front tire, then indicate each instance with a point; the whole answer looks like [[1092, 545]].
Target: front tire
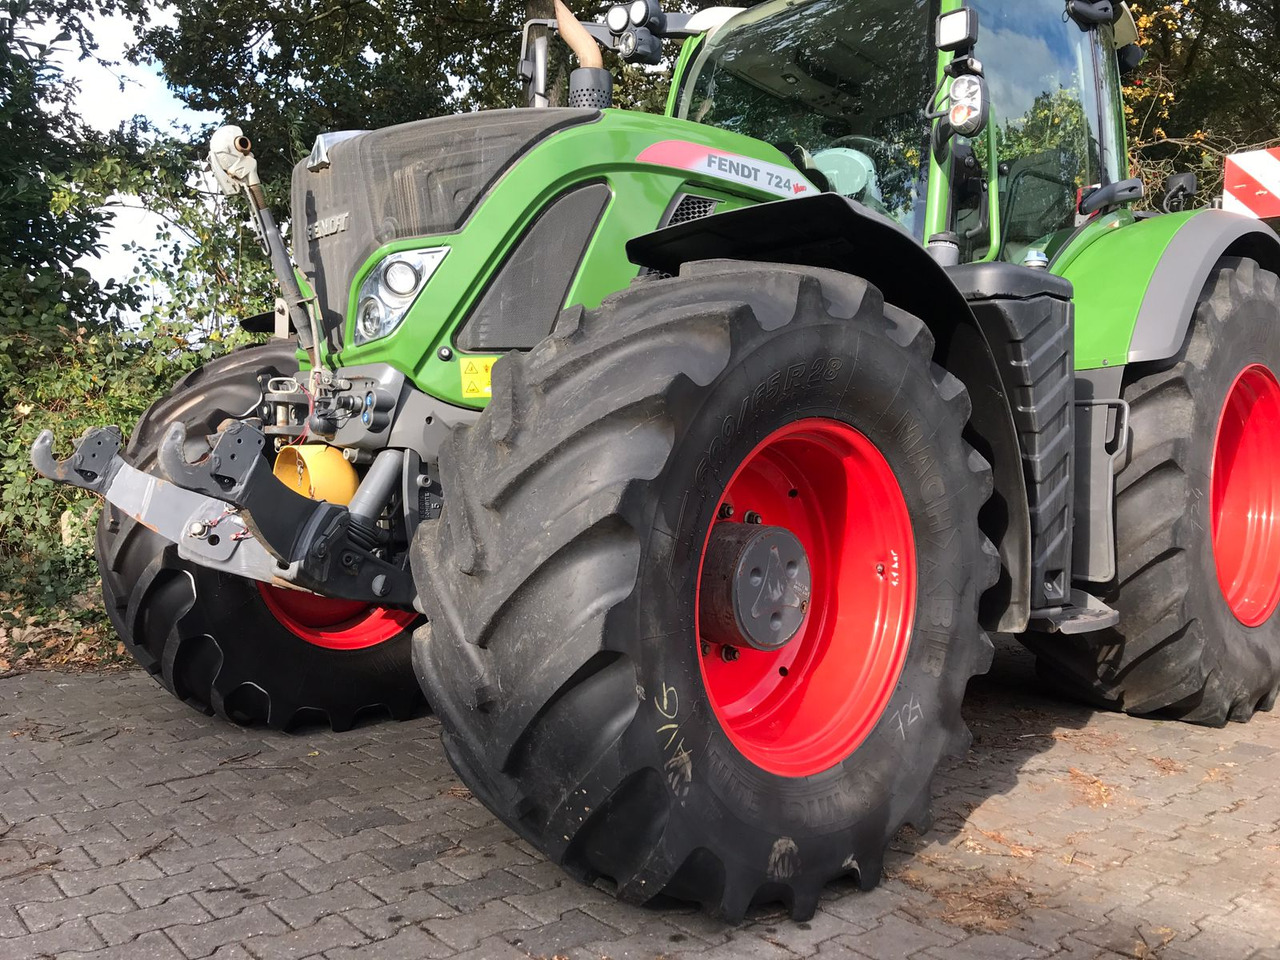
[[562, 587], [1197, 524], [230, 646]]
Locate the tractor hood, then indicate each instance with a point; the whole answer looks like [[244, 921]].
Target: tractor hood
[[413, 180]]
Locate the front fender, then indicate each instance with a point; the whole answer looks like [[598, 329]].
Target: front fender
[[1137, 285]]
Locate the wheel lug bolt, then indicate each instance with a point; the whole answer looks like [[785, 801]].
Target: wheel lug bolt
[[726, 511], [706, 648], [729, 654], [752, 517]]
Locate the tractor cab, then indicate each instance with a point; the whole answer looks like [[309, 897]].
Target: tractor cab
[[850, 92]]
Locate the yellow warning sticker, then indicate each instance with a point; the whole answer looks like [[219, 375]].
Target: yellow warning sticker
[[477, 376]]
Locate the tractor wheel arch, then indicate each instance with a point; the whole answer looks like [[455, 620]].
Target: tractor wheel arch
[[1183, 272], [832, 232], [1137, 283]]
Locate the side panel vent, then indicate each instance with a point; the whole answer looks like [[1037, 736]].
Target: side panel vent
[[524, 299], [685, 209], [691, 208]]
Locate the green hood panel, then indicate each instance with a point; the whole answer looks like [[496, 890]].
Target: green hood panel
[[648, 160]]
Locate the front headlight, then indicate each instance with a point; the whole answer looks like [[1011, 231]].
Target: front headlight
[[390, 290]]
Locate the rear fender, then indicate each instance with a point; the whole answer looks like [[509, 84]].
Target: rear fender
[[830, 231], [1137, 286]]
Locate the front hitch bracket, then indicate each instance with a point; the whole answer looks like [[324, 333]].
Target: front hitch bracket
[[229, 512]]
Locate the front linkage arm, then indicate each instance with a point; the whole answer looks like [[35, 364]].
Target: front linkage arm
[[229, 512]]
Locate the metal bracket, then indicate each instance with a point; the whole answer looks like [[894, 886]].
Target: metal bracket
[[229, 512], [90, 467]]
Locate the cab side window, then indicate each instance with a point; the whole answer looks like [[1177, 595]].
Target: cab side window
[[1044, 107]]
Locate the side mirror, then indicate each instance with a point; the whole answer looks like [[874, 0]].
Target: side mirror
[[1179, 192], [1130, 58], [1091, 13]]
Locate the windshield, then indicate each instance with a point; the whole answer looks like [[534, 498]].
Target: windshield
[[840, 86]]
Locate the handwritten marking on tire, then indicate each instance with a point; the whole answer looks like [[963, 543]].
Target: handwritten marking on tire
[[679, 763], [784, 859], [906, 717]]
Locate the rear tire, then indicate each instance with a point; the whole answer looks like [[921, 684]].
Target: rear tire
[[1199, 636], [561, 587], [211, 639]]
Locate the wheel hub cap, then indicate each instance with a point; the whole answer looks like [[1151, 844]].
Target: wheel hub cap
[[1245, 496], [755, 586]]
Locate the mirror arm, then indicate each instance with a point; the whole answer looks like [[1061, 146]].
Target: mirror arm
[[1112, 195]]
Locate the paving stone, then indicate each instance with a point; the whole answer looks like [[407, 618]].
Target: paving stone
[[656, 938], [69, 937], [149, 946], [472, 866], [78, 883], [121, 928], [469, 929], [362, 851], [495, 948], [573, 929], [325, 934], [304, 911], [226, 899], [147, 892], [987, 946], [1045, 928], [493, 885], [202, 939], [745, 946], [544, 905], [409, 943], [369, 841], [11, 924], [356, 867], [39, 917], [895, 938], [385, 920], [805, 936], [291, 860]]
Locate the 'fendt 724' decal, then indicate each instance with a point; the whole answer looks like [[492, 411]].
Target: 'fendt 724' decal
[[770, 177]]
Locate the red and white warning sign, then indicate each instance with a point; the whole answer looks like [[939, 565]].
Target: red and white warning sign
[[1252, 184], [748, 171]]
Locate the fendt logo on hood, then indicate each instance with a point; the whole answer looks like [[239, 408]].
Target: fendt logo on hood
[[328, 226], [769, 177]]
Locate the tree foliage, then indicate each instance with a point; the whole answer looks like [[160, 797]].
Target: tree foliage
[[68, 360], [1210, 86]]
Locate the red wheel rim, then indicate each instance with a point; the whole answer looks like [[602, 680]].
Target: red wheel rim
[[805, 708], [1245, 496], [335, 624]]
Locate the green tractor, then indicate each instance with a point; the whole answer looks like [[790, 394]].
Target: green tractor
[[690, 461]]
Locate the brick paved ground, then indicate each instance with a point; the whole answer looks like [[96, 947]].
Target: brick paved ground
[[131, 827]]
